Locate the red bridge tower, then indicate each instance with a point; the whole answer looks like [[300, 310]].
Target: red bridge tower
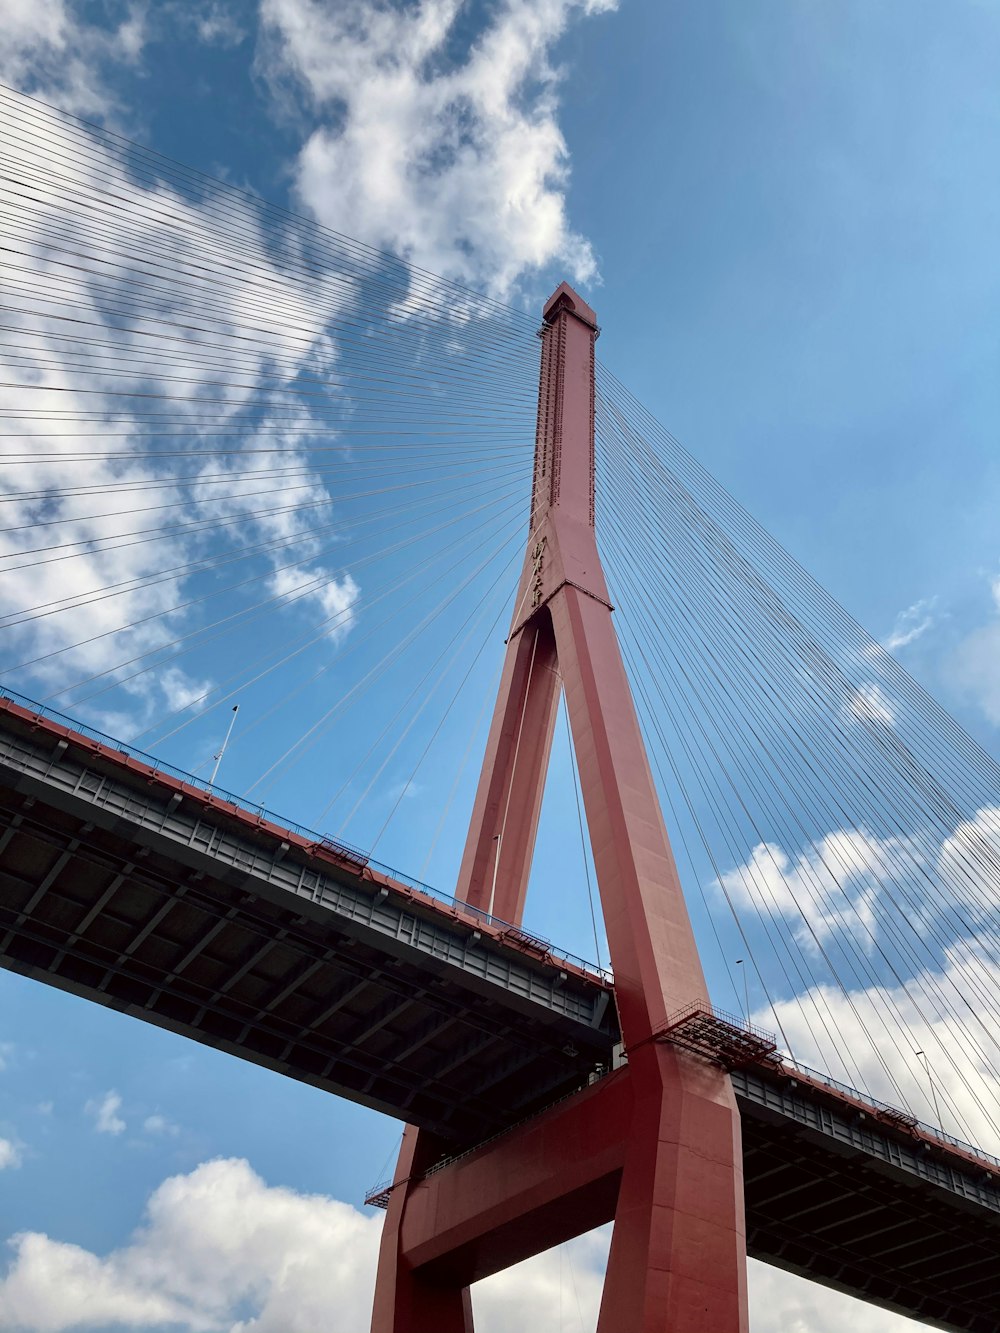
[[656, 1144]]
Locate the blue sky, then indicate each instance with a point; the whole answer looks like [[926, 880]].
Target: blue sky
[[786, 217]]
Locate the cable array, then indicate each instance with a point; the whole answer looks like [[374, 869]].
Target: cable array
[[839, 828], [245, 457]]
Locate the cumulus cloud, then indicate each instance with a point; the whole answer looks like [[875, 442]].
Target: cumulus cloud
[[829, 885], [181, 691], [220, 1251], [335, 598], [838, 880], [959, 1077], [469, 176], [105, 1113], [442, 148], [901, 932], [971, 857]]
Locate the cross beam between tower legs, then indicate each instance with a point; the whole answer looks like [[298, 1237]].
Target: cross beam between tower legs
[[656, 1145]]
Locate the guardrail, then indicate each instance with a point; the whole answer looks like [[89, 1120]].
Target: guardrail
[[310, 835], [934, 1131], [736, 1042]]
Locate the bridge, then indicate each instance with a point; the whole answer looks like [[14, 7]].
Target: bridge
[[545, 1095]]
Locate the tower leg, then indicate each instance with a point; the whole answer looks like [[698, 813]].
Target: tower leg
[[406, 1301], [678, 1251], [497, 860]]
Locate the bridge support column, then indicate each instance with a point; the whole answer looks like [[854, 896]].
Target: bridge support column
[[651, 1146], [408, 1300], [678, 1251]]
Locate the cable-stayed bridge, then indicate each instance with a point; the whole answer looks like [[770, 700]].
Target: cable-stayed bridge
[[330, 433]]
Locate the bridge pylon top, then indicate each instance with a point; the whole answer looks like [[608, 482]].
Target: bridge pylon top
[[565, 298]]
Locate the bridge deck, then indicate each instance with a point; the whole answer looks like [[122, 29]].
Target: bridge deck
[[836, 1193], [130, 887]]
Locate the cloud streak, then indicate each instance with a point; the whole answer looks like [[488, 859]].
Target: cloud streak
[[911, 624]]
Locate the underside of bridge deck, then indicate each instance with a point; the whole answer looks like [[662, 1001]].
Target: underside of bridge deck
[[833, 1195], [161, 902]]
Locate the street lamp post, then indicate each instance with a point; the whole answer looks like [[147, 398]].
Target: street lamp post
[[930, 1082], [746, 988]]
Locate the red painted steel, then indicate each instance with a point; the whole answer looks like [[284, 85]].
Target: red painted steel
[[656, 1145]]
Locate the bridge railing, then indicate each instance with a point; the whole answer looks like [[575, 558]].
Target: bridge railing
[[934, 1131], [736, 1043], [308, 834]]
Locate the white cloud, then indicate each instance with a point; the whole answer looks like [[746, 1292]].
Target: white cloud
[[336, 598], [969, 857], [220, 1251], [836, 881], [901, 930], [158, 1124], [559, 1289], [10, 1154], [828, 886], [446, 151], [870, 703], [52, 604], [49, 51], [780, 1303], [217, 24], [910, 624], [975, 669], [961, 1056], [179, 690], [105, 1113], [6, 1050]]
